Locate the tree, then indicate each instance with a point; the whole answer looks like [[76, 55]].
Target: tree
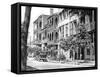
[[35, 50], [79, 39], [83, 36], [65, 44], [24, 34]]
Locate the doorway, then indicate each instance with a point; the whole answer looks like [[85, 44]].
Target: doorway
[[82, 53]]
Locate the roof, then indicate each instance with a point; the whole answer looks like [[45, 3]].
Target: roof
[[53, 14], [40, 17]]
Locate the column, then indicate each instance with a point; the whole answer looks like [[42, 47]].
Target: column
[[77, 52], [73, 55], [80, 53]]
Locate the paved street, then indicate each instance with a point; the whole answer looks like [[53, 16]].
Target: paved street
[[56, 65]]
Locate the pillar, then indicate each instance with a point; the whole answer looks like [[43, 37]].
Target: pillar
[[73, 55], [77, 52], [80, 53]]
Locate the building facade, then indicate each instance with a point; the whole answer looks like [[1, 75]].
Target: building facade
[[38, 29], [63, 25], [70, 21]]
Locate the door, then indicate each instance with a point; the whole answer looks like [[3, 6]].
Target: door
[[82, 53]]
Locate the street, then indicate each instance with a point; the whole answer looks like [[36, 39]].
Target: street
[[57, 65]]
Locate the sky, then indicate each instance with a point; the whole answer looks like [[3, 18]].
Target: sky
[[35, 13]]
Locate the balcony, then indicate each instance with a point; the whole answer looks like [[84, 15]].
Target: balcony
[[35, 31], [44, 40], [35, 42]]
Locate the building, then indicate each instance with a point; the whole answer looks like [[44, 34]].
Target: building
[[50, 29], [46, 32], [67, 26], [70, 20], [38, 29]]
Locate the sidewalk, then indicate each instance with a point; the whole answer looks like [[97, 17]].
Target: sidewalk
[[56, 65]]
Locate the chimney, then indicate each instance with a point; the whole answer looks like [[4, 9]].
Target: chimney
[[51, 11]]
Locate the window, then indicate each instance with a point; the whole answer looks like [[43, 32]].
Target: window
[[56, 35], [64, 14], [61, 16], [71, 28], [50, 37], [74, 27], [39, 36], [66, 31], [87, 22], [82, 19], [87, 19], [52, 22], [56, 20], [37, 26], [40, 25], [63, 30], [60, 29], [88, 51]]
